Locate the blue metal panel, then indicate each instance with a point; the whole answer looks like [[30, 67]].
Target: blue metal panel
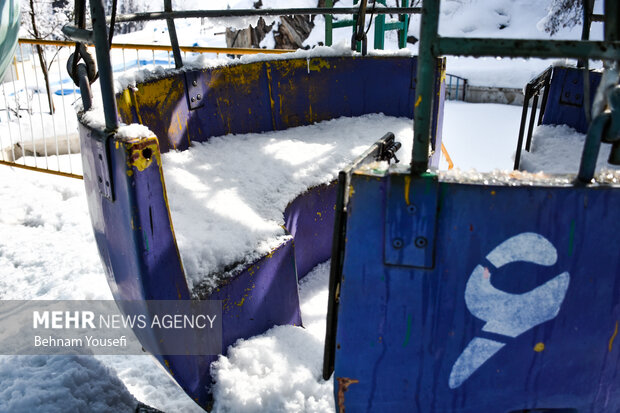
[[274, 95], [566, 97], [137, 246], [521, 310], [310, 220]]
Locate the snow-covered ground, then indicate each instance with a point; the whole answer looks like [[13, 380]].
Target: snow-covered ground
[[47, 250]]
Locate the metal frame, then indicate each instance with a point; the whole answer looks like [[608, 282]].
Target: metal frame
[[433, 46], [532, 89]]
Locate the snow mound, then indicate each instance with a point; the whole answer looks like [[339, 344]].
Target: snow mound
[[240, 185], [557, 149], [61, 384], [280, 370]]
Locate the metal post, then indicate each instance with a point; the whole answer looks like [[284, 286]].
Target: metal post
[[402, 33], [530, 129], [329, 20], [457, 89], [174, 40], [526, 101], [106, 81], [424, 88]]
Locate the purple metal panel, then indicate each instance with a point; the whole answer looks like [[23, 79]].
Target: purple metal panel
[[310, 219]]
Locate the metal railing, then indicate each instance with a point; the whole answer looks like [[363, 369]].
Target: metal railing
[[535, 88], [456, 87], [38, 125]]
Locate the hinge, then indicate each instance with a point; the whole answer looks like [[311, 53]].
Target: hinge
[[195, 87], [411, 220]]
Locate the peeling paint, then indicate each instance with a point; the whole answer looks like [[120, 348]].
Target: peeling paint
[[613, 337], [343, 387]]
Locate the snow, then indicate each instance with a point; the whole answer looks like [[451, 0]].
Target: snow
[[280, 370], [553, 150], [61, 384], [240, 185]]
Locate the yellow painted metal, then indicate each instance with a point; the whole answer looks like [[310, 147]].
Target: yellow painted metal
[[159, 47], [35, 169]]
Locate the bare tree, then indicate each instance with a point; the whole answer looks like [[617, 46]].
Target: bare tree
[[562, 13], [44, 21]]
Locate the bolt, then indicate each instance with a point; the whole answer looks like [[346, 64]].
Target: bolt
[[198, 97], [412, 209], [193, 99], [195, 83], [397, 243], [421, 242], [99, 179]]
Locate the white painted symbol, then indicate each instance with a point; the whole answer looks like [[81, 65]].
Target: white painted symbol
[[508, 314]]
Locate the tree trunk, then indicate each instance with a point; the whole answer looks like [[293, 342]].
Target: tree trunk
[[42, 61]]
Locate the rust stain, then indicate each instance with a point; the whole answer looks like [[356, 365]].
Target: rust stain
[[613, 337], [343, 386], [407, 185]]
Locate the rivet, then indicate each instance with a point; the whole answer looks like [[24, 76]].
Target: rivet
[[198, 96], [397, 243], [195, 83], [421, 242], [193, 99]]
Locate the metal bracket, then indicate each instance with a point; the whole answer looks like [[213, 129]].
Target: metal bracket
[[196, 89], [411, 220], [101, 160], [572, 94]]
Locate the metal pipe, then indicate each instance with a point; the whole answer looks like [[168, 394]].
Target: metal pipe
[[530, 129], [536, 48], [526, 101], [172, 32], [106, 81], [591, 148], [192, 49], [424, 88], [312, 11]]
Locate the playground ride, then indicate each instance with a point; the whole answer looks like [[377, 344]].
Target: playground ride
[[448, 292], [130, 206]]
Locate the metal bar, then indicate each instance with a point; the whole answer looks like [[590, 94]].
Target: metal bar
[[526, 101], [591, 149], [172, 32], [543, 105], [36, 80], [156, 47], [329, 24], [19, 124], [97, 12], [49, 171], [77, 34], [64, 113], [312, 11], [424, 88], [8, 119], [34, 146], [457, 89], [530, 129], [533, 48]]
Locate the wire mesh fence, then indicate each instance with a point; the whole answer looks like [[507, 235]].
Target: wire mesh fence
[[38, 100]]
